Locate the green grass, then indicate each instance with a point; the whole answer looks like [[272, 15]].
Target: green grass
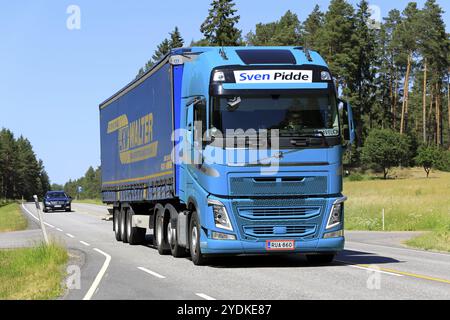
[[32, 273], [436, 240], [90, 201], [11, 218], [411, 203]]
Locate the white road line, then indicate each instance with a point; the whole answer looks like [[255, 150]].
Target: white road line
[[60, 229], [99, 276], [152, 273], [204, 296], [29, 212], [85, 243], [69, 235], [48, 224]]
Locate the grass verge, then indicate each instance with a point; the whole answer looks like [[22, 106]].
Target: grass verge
[[32, 273], [11, 218], [435, 240], [411, 203]]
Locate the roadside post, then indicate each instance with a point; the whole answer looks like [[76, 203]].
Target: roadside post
[[41, 219], [382, 217]]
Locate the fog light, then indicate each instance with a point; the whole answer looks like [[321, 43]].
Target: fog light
[[335, 234], [223, 236]]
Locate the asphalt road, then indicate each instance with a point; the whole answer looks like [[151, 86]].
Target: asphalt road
[[372, 266]]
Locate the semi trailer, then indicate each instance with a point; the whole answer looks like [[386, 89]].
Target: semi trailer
[[228, 151]]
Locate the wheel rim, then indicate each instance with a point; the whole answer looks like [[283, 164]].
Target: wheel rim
[[194, 239]]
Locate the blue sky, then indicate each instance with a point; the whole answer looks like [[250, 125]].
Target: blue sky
[[52, 79]]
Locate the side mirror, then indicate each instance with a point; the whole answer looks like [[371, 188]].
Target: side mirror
[[348, 130]]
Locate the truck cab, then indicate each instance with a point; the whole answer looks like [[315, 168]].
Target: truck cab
[[265, 173]]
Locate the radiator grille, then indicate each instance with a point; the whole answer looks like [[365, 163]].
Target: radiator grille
[[247, 186], [279, 212], [274, 231]]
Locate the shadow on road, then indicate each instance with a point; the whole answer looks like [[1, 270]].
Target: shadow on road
[[277, 260]]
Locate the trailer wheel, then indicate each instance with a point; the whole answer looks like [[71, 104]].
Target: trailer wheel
[[194, 237], [135, 235], [159, 237], [123, 225], [116, 221], [172, 239], [320, 258]]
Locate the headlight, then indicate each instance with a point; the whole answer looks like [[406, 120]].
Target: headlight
[[221, 218], [336, 213]]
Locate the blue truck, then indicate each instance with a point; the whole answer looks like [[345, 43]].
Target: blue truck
[[228, 151]]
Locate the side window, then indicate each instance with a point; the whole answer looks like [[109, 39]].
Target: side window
[[200, 115]]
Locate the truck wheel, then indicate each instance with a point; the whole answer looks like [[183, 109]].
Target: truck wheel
[[172, 239], [123, 225], [194, 237], [116, 222], [320, 258], [159, 239], [135, 235]]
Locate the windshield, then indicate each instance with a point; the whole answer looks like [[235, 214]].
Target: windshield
[[56, 195], [292, 115]]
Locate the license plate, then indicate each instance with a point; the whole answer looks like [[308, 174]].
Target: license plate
[[273, 245], [58, 206]]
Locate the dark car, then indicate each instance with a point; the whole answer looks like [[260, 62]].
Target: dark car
[[57, 200]]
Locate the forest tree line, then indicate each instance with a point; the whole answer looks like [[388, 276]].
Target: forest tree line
[[22, 174]]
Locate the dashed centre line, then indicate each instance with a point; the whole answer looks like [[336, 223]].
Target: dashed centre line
[[85, 243], [157, 275], [69, 235], [204, 296]]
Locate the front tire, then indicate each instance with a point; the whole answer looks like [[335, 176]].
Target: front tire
[[320, 258], [194, 239]]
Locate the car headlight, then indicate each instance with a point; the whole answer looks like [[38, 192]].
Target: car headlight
[[221, 218], [335, 217]]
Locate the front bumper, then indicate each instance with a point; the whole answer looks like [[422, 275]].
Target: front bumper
[[211, 246], [57, 207]]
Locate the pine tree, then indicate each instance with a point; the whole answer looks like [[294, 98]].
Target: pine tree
[[406, 39], [176, 41], [360, 88], [335, 40], [285, 32], [162, 49], [311, 27], [219, 28]]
